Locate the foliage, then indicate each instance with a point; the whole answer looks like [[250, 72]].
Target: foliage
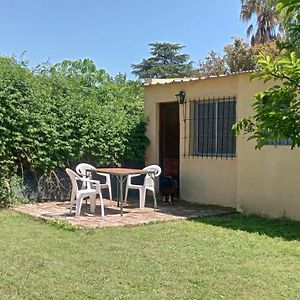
[[51, 117], [267, 20], [18, 190], [213, 65], [166, 62], [290, 11], [276, 110], [207, 258], [238, 57], [277, 113]]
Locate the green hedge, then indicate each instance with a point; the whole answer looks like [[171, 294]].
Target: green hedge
[[51, 117]]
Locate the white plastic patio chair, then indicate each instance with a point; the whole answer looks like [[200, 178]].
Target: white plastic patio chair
[[149, 184], [86, 190], [82, 170]]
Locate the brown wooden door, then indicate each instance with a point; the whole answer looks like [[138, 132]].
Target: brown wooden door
[[169, 139]]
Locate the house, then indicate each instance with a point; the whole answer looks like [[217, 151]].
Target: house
[[193, 142]]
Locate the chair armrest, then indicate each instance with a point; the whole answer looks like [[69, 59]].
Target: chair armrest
[[87, 180], [129, 177], [92, 181], [134, 175], [103, 174]]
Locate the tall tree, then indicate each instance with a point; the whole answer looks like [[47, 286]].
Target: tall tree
[[267, 23], [166, 62], [290, 12], [277, 109], [213, 65], [238, 56]]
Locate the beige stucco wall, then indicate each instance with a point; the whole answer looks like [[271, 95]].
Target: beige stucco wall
[[256, 181], [268, 179], [202, 180]]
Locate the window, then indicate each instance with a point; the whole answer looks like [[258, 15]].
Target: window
[[213, 120], [280, 142]]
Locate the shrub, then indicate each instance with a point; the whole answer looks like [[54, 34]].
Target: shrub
[[51, 117]]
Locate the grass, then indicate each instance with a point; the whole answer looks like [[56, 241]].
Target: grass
[[233, 257]]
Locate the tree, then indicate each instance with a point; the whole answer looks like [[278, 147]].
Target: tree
[[238, 57], [277, 109], [290, 12], [213, 65], [166, 62], [267, 23]]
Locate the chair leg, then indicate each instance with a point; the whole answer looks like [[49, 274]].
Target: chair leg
[[72, 200], [101, 200], [78, 206], [126, 194], [102, 206], [142, 198], [92, 203], [110, 194], [155, 202]]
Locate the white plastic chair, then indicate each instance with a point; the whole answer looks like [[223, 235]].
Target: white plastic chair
[[85, 191], [149, 184], [82, 170]]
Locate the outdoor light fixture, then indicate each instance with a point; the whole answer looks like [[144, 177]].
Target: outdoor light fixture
[[180, 97]]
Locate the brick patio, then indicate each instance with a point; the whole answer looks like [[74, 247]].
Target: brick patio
[[133, 215]]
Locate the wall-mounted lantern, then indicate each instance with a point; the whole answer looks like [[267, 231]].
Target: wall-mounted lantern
[[180, 97]]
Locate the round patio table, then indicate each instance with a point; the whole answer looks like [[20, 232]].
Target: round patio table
[[121, 175]]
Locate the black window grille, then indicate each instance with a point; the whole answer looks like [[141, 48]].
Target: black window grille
[[213, 120], [280, 142]]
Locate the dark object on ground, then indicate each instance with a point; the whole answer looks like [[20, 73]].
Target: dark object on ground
[[168, 187]]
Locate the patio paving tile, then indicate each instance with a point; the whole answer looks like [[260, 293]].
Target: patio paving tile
[[133, 215]]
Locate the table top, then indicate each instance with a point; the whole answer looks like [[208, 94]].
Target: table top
[[121, 171]]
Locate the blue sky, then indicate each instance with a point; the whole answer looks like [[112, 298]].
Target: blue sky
[[115, 33]]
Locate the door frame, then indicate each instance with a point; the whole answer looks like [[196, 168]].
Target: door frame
[[175, 159]]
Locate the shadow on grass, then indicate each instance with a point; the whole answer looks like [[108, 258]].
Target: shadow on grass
[[275, 228]]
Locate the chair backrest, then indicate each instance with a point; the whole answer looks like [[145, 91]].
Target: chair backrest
[[148, 182], [155, 168], [74, 177], [82, 167]]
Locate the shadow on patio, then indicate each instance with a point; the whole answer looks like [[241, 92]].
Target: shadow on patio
[[133, 215]]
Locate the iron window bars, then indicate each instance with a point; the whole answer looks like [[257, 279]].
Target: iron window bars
[[280, 142], [211, 121]]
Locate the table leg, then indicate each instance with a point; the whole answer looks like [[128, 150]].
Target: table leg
[[118, 190], [121, 193]]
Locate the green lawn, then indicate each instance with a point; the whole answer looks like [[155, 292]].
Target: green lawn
[[234, 257]]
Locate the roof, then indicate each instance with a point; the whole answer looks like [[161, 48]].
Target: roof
[[155, 81]]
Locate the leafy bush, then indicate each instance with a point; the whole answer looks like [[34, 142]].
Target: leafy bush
[[238, 57], [52, 117], [276, 110]]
